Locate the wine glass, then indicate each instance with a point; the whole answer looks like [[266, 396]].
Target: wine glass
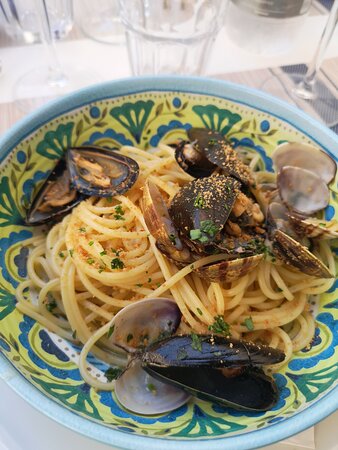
[[307, 86], [52, 79]]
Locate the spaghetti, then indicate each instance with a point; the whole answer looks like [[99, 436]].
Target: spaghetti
[[101, 258]]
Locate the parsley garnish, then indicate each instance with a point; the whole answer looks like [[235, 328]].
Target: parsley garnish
[[139, 284], [199, 202], [119, 212], [74, 334], [172, 238], [129, 337], [51, 305], [71, 252], [82, 229], [152, 388], [149, 280], [90, 261], [110, 331], [62, 255], [196, 343], [219, 326], [212, 141], [199, 312], [116, 263], [109, 199], [207, 230], [103, 253], [249, 323], [181, 353], [113, 373]]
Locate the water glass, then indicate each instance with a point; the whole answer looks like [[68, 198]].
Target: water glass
[[170, 36], [21, 18]]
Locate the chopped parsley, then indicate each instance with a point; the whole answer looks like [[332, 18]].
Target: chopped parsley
[[322, 224], [220, 326], [199, 202], [82, 229], [91, 243], [152, 388], [110, 331], [62, 255], [117, 252], [109, 199], [103, 253], [199, 312], [249, 323], [212, 141], [74, 334], [139, 284], [158, 284], [51, 305], [196, 343], [113, 373], [129, 337], [116, 263], [207, 230], [149, 280], [71, 252], [90, 261], [172, 238], [182, 353], [119, 213]]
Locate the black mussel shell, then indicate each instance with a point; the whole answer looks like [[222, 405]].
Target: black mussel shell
[[192, 160], [209, 351], [204, 138], [251, 390], [203, 204], [55, 198], [101, 172]]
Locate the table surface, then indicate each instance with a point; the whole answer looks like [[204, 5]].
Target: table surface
[[21, 426]]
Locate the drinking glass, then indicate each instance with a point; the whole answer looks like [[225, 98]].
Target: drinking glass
[[21, 18], [170, 36], [52, 79]]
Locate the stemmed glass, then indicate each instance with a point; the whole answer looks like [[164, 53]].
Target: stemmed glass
[[308, 86], [52, 79]]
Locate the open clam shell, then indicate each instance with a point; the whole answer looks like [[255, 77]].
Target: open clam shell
[[143, 394], [55, 198], [314, 228], [307, 157], [227, 271], [302, 190], [144, 322], [294, 254], [101, 172]]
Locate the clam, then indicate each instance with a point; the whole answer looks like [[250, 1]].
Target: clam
[[314, 228], [141, 323], [101, 172], [161, 227], [55, 198], [227, 374], [227, 271], [297, 255], [305, 156], [302, 191]]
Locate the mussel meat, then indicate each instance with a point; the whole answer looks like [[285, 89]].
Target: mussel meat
[[101, 172], [55, 198], [190, 158]]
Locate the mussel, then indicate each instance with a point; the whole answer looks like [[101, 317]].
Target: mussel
[[101, 172], [55, 197], [84, 171], [165, 369]]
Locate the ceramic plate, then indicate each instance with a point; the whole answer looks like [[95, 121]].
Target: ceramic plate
[[42, 368]]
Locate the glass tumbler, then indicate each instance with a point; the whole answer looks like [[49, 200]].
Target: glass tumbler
[[170, 36]]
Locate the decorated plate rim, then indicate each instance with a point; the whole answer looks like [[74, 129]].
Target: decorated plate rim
[[202, 86]]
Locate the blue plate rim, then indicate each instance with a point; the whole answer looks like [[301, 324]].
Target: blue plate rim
[[195, 85]]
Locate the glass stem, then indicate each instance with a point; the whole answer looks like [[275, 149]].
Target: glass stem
[[315, 63], [57, 76]]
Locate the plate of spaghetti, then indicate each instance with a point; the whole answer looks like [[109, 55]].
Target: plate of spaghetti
[[168, 272]]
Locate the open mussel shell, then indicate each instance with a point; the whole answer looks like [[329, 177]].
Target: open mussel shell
[[228, 271], [307, 157], [302, 191], [143, 394], [161, 227], [144, 322], [252, 390], [55, 198], [213, 351], [295, 254], [204, 204], [191, 159], [101, 172], [314, 228]]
